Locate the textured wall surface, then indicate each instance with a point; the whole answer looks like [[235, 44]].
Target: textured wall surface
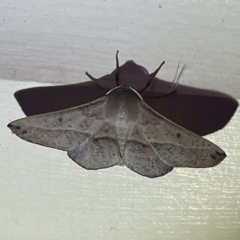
[[44, 194]]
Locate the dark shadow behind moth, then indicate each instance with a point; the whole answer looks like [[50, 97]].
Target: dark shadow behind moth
[[202, 111], [120, 129]]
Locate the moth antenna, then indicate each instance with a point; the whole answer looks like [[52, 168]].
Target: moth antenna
[[175, 75], [152, 76], [175, 83], [117, 69], [95, 81]]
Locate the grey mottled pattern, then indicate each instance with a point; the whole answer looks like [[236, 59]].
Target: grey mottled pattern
[[64, 130], [175, 145], [98, 151], [141, 157], [119, 129]]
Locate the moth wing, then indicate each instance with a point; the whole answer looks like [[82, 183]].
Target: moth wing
[[141, 157], [79, 130], [101, 150], [174, 145]]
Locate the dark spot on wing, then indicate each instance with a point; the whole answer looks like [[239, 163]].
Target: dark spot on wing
[[221, 154], [18, 127], [24, 132], [10, 125], [60, 119], [213, 157], [178, 135]]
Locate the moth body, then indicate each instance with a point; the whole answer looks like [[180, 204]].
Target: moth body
[[122, 112]]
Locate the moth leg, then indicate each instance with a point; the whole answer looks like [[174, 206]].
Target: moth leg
[[117, 61], [117, 69], [152, 76], [91, 77], [95, 81], [165, 95]]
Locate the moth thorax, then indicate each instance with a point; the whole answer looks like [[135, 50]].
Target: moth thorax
[[122, 105]]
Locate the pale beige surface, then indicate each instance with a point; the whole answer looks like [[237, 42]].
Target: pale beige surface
[[45, 195]]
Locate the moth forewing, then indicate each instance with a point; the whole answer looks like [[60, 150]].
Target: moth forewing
[[175, 145], [64, 129]]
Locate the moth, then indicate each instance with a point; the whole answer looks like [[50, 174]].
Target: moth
[[120, 129]]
